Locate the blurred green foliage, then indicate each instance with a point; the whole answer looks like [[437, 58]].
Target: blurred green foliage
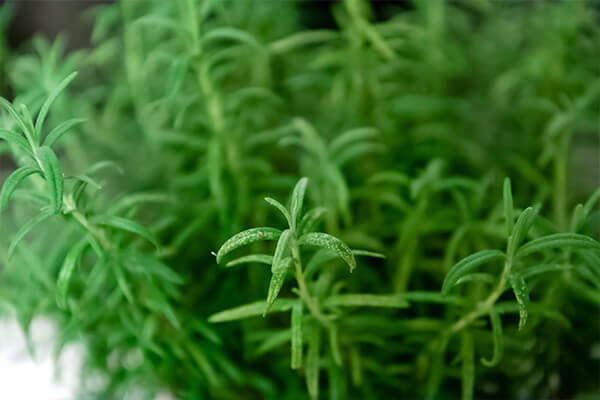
[[123, 182]]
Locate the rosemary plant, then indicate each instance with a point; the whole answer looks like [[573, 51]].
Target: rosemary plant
[[408, 264]]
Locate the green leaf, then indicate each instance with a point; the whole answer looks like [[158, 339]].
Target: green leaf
[[155, 21], [467, 264], [390, 178], [508, 206], [351, 152], [26, 228], [158, 302], [203, 363], [122, 282], [520, 230], [11, 183], [311, 366], [297, 200], [366, 253], [543, 268], [325, 240], [432, 297], [64, 277], [522, 294], [128, 225], [356, 370], [351, 137], [278, 268], [246, 237], [334, 344], [475, 276], [85, 180], [147, 264], [272, 341], [367, 300], [252, 310], [53, 176], [252, 258], [58, 132], [436, 372], [591, 202], [46, 106], [311, 140], [282, 209], [468, 365], [11, 110], [101, 165], [498, 340], [578, 218], [310, 220], [281, 250], [558, 240], [303, 38], [16, 139], [131, 200], [541, 309], [230, 33], [296, 322]]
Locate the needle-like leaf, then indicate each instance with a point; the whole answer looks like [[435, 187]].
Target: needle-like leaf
[[251, 258], [252, 310], [58, 132], [468, 365], [522, 294], [558, 240], [64, 277], [246, 237], [296, 322], [310, 220], [297, 200], [367, 300], [16, 139], [46, 106], [282, 209], [15, 115], [325, 240], [12, 182], [498, 340], [279, 267], [520, 230], [436, 372], [467, 264], [311, 366], [53, 176], [27, 227], [126, 224], [508, 206]]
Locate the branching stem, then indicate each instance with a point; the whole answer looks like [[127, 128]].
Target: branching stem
[[94, 230], [486, 305]]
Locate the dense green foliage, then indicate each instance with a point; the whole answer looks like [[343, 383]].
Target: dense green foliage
[[404, 265]]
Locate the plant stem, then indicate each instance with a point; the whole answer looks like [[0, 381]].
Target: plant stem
[[560, 181], [94, 230], [311, 303], [484, 307]]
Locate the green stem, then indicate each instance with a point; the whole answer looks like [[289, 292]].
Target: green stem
[[560, 181], [98, 233], [485, 306], [311, 303]]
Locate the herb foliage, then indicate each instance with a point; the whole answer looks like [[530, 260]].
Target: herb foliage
[[405, 262]]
